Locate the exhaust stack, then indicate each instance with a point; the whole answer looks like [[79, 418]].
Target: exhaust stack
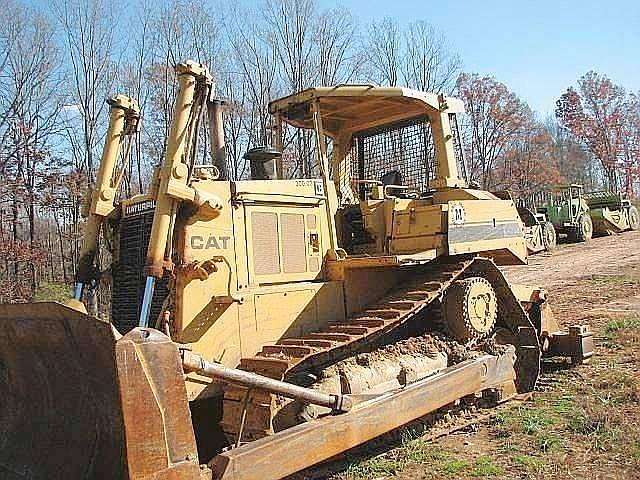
[[215, 108]]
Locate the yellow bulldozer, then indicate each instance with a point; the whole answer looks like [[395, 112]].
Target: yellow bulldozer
[[261, 326]]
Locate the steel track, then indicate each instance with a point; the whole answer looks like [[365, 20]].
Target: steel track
[[339, 340]]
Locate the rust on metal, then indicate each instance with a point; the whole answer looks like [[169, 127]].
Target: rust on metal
[[79, 402], [195, 363], [271, 458], [160, 440], [380, 318], [60, 412], [577, 343]]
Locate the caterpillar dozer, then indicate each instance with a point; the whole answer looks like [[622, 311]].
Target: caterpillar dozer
[[261, 326]]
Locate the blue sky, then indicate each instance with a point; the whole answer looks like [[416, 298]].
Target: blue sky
[[538, 48]]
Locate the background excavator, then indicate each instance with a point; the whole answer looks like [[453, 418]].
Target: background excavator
[[262, 326]]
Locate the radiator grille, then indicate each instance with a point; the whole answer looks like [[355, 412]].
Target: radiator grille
[[266, 248], [293, 243], [128, 278]]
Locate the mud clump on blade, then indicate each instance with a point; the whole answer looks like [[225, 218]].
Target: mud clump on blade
[[492, 347]]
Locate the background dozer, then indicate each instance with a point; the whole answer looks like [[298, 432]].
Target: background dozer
[[262, 326]]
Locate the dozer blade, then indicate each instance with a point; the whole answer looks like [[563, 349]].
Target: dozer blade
[[59, 400], [78, 403]]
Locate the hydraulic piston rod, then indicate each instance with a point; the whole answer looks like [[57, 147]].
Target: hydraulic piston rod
[[195, 363]]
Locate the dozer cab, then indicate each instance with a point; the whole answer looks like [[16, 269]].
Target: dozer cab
[[262, 326]]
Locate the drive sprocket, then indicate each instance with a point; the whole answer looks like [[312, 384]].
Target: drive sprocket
[[470, 308]]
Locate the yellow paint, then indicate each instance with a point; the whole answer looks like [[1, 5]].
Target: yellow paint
[[264, 266]]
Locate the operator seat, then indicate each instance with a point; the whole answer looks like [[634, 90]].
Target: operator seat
[[394, 177]]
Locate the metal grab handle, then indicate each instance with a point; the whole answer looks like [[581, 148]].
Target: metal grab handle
[[387, 188]]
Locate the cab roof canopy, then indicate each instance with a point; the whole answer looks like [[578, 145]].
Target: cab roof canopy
[[352, 108]]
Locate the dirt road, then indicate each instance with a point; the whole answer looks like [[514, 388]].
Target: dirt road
[[583, 422], [600, 256]]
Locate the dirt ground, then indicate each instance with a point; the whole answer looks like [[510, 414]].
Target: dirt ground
[[583, 422]]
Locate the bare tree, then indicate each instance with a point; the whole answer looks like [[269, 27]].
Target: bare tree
[[383, 47], [417, 56], [235, 92], [133, 79], [88, 26], [9, 34], [337, 58], [32, 82], [289, 29], [254, 67], [290, 32], [428, 64], [178, 30]]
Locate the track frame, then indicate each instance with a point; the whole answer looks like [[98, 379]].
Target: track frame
[[307, 444]]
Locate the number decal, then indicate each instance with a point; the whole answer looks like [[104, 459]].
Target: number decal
[[457, 214]]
